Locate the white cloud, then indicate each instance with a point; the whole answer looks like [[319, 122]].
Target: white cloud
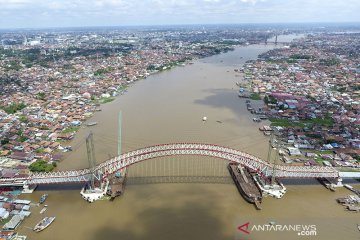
[[5, 2], [249, 1], [114, 12], [109, 3], [13, 4]]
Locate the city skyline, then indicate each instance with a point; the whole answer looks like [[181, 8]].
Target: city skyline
[[42, 14]]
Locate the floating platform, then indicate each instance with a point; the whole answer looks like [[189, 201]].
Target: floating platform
[[276, 189]]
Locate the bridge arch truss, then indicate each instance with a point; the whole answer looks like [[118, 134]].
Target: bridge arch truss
[[107, 168]]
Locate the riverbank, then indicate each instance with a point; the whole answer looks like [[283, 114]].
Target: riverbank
[[143, 95], [311, 132], [39, 119], [168, 107]]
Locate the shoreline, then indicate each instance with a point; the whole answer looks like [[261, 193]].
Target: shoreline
[[187, 64]]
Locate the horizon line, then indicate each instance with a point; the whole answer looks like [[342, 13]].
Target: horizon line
[[177, 24]]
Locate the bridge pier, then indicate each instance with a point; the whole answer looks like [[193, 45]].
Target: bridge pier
[[28, 188], [165, 150], [92, 194], [337, 182], [331, 183]]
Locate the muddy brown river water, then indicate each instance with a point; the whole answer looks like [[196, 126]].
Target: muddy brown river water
[[168, 107]]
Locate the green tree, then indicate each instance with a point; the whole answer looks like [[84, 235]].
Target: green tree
[[41, 95], [23, 119], [41, 166], [5, 141], [22, 138], [266, 100], [14, 107]]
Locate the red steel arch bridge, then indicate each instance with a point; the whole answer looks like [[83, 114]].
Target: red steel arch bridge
[[103, 170]]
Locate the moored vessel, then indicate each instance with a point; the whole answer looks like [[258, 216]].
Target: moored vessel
[[91, 124], [44, 223], [245, 184], [326, 183], [116, 185], [43, 198], [43, 210]]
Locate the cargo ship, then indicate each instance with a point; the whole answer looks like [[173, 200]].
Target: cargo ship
[[44, 223], [245, 184]]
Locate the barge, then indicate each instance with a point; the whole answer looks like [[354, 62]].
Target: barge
[[245, 184], [326, 183], [116, 185]]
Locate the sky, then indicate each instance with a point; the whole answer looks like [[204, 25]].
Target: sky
[[77, 13]]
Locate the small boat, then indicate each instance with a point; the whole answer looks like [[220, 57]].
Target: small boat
[[43, 198], [91, 124], [43, 210], [44, 223], [358, 227], [204, 119], [353, 208]]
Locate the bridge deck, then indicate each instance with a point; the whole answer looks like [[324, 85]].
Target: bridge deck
[[127, 159]]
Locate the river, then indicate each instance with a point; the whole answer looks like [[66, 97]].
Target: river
[[168, 107]]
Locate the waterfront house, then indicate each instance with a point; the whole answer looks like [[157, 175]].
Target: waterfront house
[[4, 214], [13, 223], [22, 156]]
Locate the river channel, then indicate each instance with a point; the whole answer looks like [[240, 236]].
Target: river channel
[[168, 107]]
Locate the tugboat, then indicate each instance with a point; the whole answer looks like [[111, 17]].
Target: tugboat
[[43, 224], [43, 198], [245, 184]]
